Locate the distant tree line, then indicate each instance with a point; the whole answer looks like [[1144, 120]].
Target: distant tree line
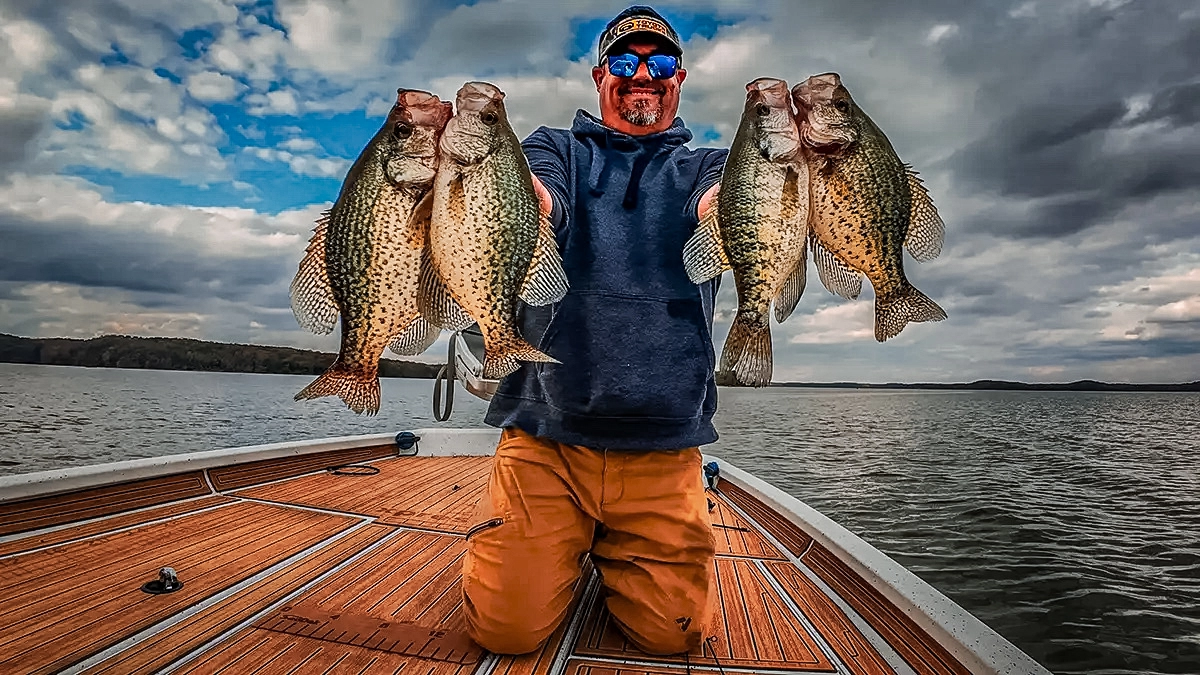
[[123, 351]]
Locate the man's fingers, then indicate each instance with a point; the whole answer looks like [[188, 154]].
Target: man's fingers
[[545, 201]]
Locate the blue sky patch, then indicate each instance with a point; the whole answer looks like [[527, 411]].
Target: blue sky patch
[[195, 42]]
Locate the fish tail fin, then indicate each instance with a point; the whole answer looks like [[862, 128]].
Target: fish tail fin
[[357, 387], [911, 305], [503, 356], [747, 351]]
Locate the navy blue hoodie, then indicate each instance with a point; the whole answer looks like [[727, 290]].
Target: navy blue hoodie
[[634, 335]]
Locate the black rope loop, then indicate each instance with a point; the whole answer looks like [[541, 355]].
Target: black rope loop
[[353, 470]]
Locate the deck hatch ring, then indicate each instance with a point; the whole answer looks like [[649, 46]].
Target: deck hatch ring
[[167, 582], [407, 444], [353, 470]]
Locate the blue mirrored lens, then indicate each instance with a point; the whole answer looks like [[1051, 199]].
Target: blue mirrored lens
[[624, 65], [660, 66]]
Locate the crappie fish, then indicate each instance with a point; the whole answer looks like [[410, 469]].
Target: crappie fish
[[488, 244], [867, 206], [364, 259], [757, 228]]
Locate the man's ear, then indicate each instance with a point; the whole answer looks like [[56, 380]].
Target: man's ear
[[681, 74], [598, 75]]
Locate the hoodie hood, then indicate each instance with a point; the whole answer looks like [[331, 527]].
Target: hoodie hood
[[604, 141]]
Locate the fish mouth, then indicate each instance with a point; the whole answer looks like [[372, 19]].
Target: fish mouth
[[768, 90], [422, 108], [814, 89], [474, 96]]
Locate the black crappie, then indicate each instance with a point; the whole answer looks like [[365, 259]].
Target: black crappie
[[489, 244], [364, 260], [757, 228], [867, 206]]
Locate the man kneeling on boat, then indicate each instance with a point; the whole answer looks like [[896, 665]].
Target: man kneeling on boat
[[599, 454]]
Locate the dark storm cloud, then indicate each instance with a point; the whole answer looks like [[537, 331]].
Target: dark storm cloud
[[1058, 100], [73, 252], [18, 127]]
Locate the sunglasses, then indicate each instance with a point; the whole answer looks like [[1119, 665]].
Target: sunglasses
[[660, 66]]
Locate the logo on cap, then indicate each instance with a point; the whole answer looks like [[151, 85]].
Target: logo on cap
[[640, 24]]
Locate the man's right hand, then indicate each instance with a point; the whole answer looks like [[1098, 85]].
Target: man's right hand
[[545, 201]]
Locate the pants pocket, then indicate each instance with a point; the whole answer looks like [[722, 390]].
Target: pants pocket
[[485, 525]]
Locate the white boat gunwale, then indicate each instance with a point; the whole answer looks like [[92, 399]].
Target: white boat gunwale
[[977, 646]]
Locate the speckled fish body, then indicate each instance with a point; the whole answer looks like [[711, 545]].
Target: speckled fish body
[[867, 206], [364, 260], [489, 244], [758, 228]]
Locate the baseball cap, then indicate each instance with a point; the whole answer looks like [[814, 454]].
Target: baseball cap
[[643, 22]]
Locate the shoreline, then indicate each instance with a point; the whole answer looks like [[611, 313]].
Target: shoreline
[[188, 355]]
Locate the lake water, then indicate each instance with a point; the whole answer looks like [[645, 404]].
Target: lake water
[[1069, 522]]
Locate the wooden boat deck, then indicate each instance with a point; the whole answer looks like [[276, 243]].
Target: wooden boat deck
[[289, 568]]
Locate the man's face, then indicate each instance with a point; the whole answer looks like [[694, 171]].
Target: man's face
[[640, 104]]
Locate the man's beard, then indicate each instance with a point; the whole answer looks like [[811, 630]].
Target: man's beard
[[642, 112]]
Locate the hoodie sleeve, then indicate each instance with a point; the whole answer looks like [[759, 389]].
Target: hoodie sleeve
[[548, 161], [710, 174]]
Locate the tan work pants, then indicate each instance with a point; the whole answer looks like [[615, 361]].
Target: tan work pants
[[654, 548]]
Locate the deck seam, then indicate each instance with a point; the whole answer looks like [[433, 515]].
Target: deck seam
[[868, 631], [120, 529], [303, 507], [208, 481], [350, 514], [681, 667], [191, 610], [566, 650], [17, 536], [794, 608], [224, 635], [872, 636]]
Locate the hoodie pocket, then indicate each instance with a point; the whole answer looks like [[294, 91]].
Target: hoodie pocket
[[629, 357]]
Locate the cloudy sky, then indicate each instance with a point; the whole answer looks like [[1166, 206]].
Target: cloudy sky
[[162, 162]]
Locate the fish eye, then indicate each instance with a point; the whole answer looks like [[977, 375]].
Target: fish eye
[[762, 109], [841, 104], [489, 118], [402, 130]]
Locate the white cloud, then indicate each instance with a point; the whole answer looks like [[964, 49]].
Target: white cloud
[[342, 36], [299, 144], [941, 32], [305, 165], [209, 86], [29, 46]]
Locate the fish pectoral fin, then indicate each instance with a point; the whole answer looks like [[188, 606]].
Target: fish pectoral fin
[[704, 253], [926, 231], [792, 289], [835, 275], [415, 338], [546, 280], [416, 230], [434, 301], [313, 303]]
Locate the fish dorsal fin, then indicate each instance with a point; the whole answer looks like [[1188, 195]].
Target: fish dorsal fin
[[313, 303], [546, 281], [704, 253], [416, 338], [926, 231], [792, 289], [835, 274], [434, 301]]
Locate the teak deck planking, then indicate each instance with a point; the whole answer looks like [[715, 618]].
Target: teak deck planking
[[383, 548]]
